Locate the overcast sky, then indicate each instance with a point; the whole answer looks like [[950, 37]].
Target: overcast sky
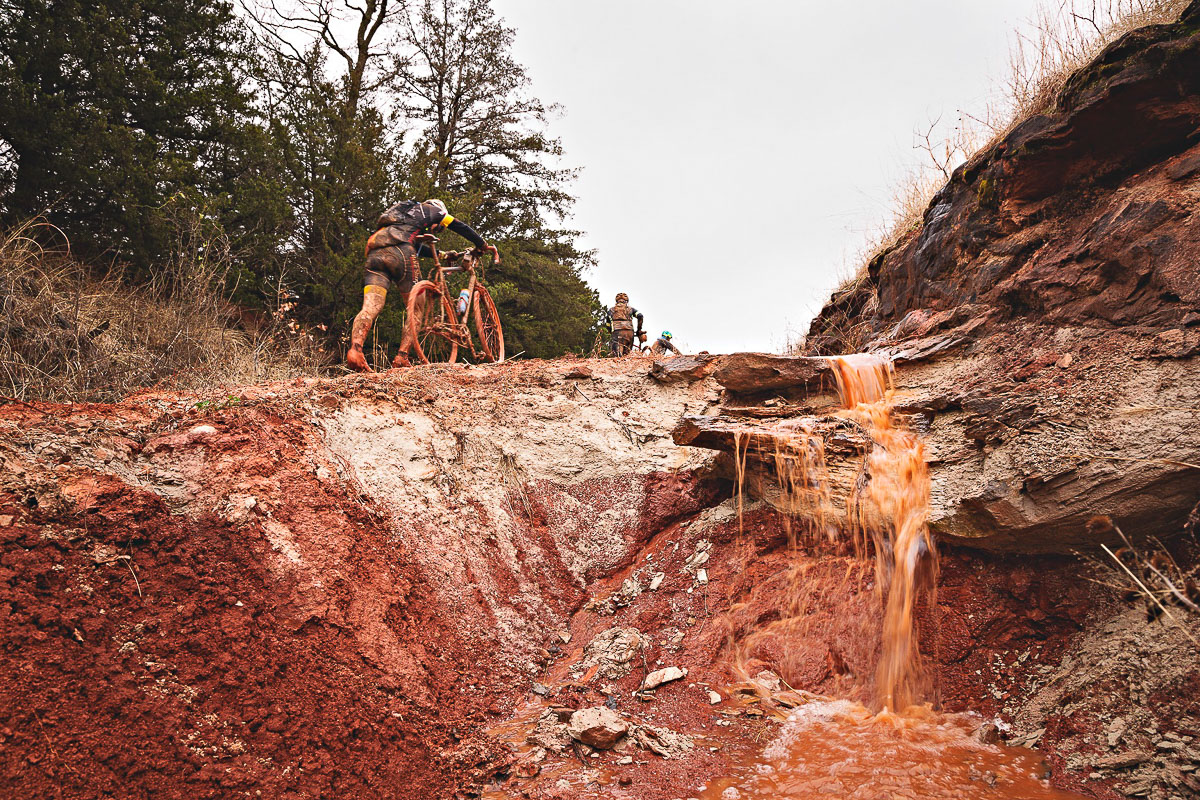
[[736, 154]]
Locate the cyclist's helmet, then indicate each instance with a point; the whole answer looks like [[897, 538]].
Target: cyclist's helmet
[[439, 204], [666, 334], [622, 297]]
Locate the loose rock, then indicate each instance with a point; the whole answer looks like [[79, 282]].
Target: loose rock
[[597, 727], [682, 368], [661, 676], [611, 652], [661, 741]]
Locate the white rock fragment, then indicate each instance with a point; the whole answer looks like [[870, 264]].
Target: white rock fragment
[[661, 676], [656, 581], [203, 430], [702, 577], [613, 651], [662, 741], [698, 558], [629, 591], [769, 680], [713, 697]]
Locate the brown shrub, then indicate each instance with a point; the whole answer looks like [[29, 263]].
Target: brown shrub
[[69, 334]]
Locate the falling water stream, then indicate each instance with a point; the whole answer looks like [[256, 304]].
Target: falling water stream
[[900, 747]]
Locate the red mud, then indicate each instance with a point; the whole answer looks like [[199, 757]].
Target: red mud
[[151, 654]]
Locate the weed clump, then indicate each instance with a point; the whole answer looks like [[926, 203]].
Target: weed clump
[[68, 333]]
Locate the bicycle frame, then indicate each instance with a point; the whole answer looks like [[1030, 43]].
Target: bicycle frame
[[456, 262]]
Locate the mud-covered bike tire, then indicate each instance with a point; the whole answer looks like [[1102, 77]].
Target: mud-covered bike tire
[[429, 345], [487, 324]]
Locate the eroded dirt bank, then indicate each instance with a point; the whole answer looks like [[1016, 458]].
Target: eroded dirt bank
[[376, 586], [327, 587]]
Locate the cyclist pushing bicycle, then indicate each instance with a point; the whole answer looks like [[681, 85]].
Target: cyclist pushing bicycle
[[392, 253]]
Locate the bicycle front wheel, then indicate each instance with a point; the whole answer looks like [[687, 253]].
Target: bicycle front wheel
[[487, 324], [430, 324]]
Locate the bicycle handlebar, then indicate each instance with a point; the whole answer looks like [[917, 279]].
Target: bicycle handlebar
[[430, 239]]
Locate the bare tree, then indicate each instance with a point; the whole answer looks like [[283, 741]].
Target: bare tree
[[356, 33], [458, 78]]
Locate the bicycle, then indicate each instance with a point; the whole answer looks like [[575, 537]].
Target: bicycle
[[436, 328]]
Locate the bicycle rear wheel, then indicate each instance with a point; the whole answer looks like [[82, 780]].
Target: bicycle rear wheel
[[430, 317], [487, 324]]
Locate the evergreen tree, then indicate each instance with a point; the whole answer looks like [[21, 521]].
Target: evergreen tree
[[110, 108], [321, 70], [119, 119]]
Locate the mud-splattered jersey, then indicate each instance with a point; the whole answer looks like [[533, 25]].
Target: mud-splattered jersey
[[408, 219], [621, 316], [662, 345]]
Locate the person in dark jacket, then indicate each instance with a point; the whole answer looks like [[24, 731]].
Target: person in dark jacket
[[392, 261], [620, 320]]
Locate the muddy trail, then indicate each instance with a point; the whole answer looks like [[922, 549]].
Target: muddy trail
[[889, 566]]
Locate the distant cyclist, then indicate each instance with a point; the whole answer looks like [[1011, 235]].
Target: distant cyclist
[[392, 259], [620, 320], [663, 345]]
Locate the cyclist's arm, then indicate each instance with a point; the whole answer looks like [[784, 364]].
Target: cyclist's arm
[[466, 231]]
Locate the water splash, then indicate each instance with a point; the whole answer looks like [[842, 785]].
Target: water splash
[[840, 747]]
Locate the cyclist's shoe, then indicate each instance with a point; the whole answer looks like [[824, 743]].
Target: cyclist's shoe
[[356, 359], [401, 361]]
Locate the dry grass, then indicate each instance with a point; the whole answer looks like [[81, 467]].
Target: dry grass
[[1151, 575], [67, 334], [1062, 38]]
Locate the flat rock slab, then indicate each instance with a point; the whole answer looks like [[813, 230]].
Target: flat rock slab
[[764, 441], [681, 369], [760, 372]]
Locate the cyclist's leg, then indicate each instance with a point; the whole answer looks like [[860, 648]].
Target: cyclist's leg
[[408, 272], [625, 342], [376, 280]]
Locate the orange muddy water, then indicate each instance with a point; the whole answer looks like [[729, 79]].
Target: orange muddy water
[[840, 748]]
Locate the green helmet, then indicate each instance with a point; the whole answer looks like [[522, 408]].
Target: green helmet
[[666, 334]]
